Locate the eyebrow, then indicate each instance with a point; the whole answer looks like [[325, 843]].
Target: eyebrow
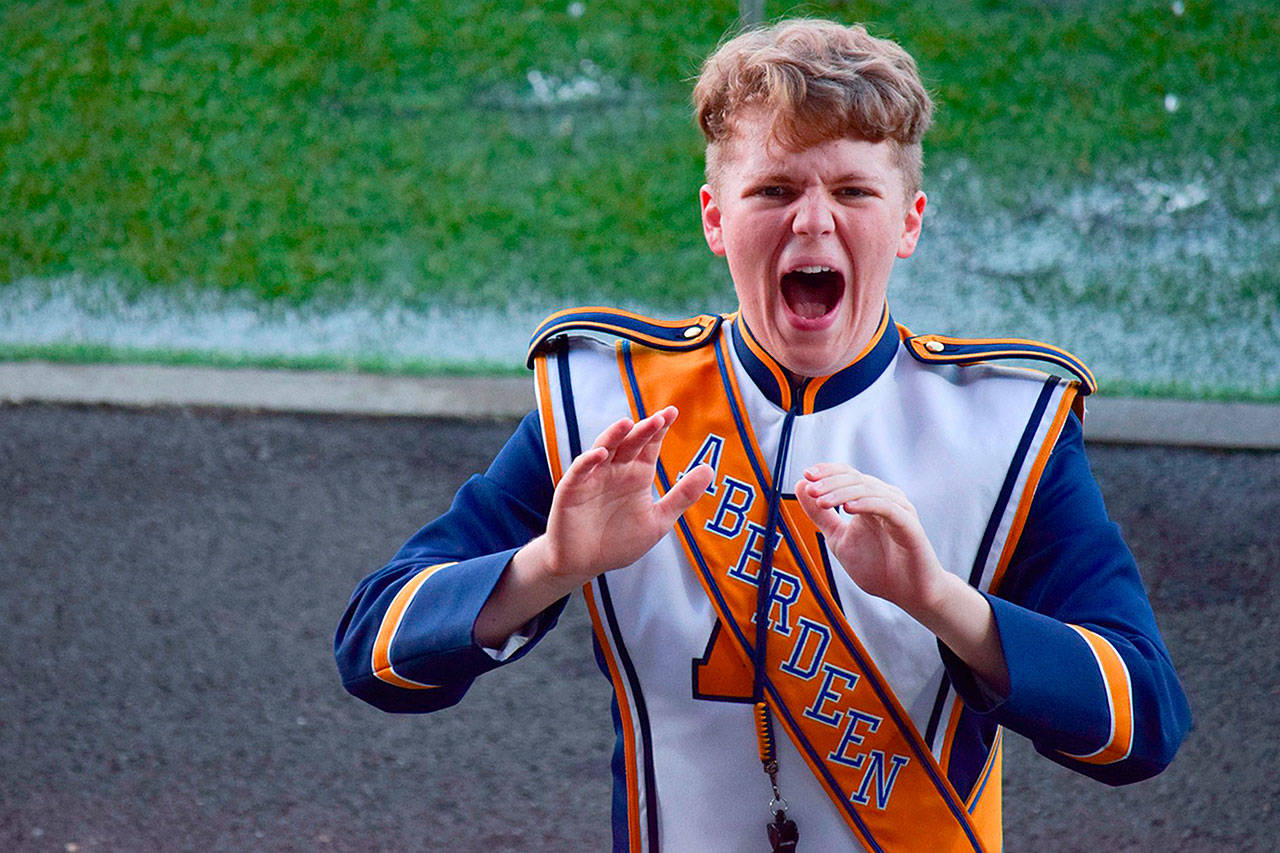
[[784, 178]]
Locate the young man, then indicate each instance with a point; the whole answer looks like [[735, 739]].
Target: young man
[[811, 543]]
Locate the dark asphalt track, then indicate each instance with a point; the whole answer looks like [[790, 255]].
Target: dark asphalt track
[[170, 583]]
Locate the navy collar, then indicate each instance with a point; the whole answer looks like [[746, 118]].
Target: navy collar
[[807, 395]]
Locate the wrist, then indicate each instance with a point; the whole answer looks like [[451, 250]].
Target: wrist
[[948, 601], [526, 587], [537, 567]]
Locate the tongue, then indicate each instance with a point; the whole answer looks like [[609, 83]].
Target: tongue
[[811, 295]]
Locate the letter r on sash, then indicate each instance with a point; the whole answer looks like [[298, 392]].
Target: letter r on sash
[[732, 511]]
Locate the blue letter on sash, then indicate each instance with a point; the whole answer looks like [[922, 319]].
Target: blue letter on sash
[[793, 666], [826, 694], [782, 601], [753, 550], [734, 503], [709, 453], [884, 784], [852, 738]]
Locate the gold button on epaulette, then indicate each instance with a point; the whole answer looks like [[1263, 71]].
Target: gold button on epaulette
[[693, 331], [934, 346]]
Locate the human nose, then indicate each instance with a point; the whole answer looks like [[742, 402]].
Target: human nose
[[813, 216]]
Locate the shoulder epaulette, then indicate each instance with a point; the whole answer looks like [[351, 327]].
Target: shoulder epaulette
[[671, 335], [940, 349]]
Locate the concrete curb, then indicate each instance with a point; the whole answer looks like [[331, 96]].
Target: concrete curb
[[322, 392], [1254, 426]]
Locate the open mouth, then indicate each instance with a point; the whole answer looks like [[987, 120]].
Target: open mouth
[[812, 292]]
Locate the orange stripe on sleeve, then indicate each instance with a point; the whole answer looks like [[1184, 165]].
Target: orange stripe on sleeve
[[382, 666], [1119, 688]]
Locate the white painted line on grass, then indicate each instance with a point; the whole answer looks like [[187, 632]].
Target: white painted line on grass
[[1109, 420]]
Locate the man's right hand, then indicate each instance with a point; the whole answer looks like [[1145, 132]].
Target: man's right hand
[[603, 516]]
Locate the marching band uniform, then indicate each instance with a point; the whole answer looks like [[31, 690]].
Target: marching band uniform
[[887, 741]]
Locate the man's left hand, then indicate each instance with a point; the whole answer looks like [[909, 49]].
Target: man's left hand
[[882, 545], [879, 541]]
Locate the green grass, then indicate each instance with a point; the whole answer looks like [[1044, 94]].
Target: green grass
[[311, 153]]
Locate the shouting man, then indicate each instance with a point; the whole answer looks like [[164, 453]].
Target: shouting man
[[812, 543]]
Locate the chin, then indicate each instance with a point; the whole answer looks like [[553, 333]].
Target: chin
[[810, 361]]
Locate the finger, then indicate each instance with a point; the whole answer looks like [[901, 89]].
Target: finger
[[649, 453], [583, 465], [642, 435], [856, 492], [826, 518], [831, 485], [684, 493], [614, 433], [888, 511], [830, 469], [838, 488]]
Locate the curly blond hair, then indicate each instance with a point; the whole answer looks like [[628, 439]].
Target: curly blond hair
[[820, 80]]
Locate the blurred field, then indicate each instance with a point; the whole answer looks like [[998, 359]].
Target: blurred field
[[349, 184]]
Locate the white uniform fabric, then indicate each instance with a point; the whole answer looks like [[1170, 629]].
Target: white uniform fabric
[[946, 436]]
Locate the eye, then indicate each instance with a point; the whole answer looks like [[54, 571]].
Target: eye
[[772, 191], [852, 192]]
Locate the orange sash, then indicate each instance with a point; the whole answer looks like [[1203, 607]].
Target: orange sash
[[820, 682]]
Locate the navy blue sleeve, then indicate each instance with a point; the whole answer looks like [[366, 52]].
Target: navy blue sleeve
[[1091, 682], [406, 641]]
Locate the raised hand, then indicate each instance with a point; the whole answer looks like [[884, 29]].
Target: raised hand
[[880, 542], [883, 547], [603, 516]]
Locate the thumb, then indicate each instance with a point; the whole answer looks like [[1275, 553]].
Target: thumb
[[827, 519], [684, 493]]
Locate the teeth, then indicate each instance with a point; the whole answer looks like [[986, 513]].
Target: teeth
[[813, 269]]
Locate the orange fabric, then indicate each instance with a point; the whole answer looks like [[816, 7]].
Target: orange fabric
[[847, 724], [1115, 677], [383, 669], [722, 673]]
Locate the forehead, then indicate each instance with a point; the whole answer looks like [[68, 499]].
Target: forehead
[[753, 149], [747, 159]]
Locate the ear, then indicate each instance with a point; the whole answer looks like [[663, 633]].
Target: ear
[[912, 222], [711, 220]]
